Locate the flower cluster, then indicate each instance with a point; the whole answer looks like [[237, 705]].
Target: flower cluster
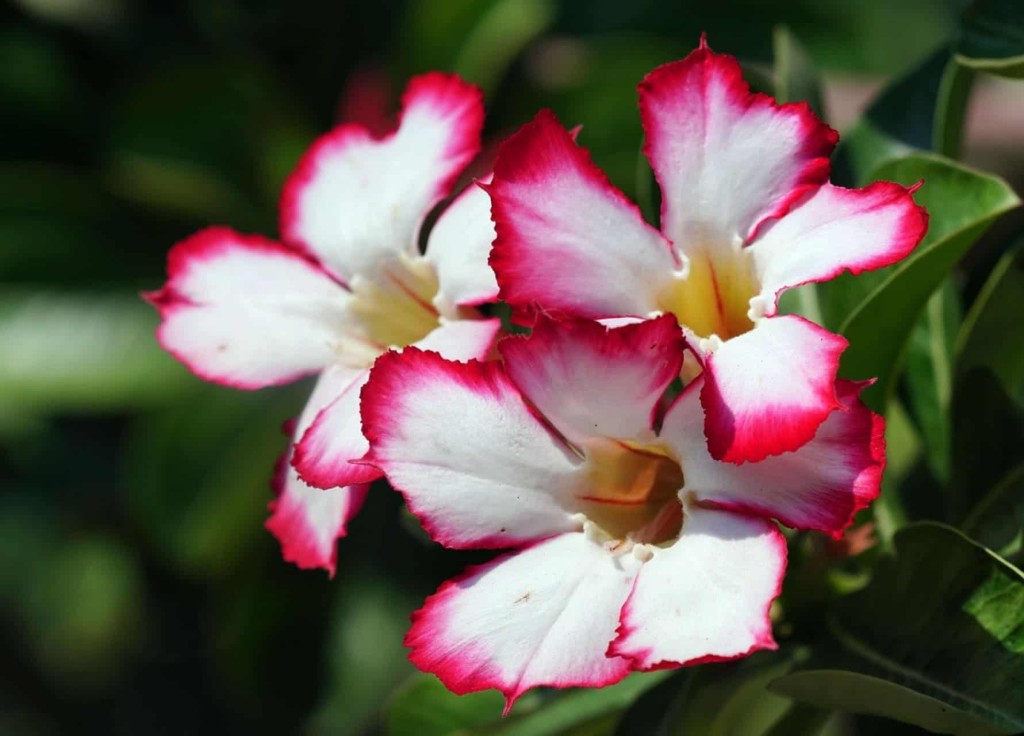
[[642, 517]]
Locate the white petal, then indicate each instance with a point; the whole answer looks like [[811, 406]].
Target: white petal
[[542, 616], [246, 312], [459, 246], [473, 461], [706, 598], [357, 202]]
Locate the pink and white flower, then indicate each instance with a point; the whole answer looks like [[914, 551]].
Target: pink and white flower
[[747, 212], [346, 283], [635, 549]]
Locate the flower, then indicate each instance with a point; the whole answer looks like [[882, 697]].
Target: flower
[[346, 283], [747, 212], [635, 549]]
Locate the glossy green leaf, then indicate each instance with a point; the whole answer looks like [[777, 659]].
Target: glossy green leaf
[[425, 707], [936, 639], [992, 37], [928, 376], [576, 708], [962, 203], [859, 693], [991, 334], [714, 700], [738, 704], [83, 352]]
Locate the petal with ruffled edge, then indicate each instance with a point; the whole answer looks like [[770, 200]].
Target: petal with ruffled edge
[[541, 616], [705, 598], [725, 158], [357, 202], [837, 230], [246, 312], [819, 486], [567, 240], [588, 380], [474, 462], [459, 245], [308, 521], [768, 390], [324, 456]]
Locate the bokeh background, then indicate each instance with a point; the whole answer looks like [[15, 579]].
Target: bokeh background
[[139, 591]]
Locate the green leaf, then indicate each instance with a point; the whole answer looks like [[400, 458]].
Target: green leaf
[[721, 699], [929, 375], [991, 334], [898, 121], [425, 707], [961, 203], [992, 37], [951, 109], [499, 36], [576, 708], [858, 693], [796, 78], [936, 639], [203, 515], [998, 518], [479, 39], [988, 432], [83, 352]]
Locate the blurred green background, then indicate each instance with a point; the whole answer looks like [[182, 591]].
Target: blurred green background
[[139, 592]]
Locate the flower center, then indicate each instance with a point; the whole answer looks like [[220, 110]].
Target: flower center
[[397, 308], [631, 491], [715, 297]]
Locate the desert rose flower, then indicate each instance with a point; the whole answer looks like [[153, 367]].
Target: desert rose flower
[[634, 549], [747, 212], [346, 283]]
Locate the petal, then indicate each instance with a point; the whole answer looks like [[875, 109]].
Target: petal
[[305, 520], [541, 616], [818, 486], [462, 339], [459, 245], [325, 457], [706, 597], [837, 230], [474, 463], [246, 312], [725, 158], [357, 202], [590, 381], [567, 240], [324, 452], [768, 390]]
